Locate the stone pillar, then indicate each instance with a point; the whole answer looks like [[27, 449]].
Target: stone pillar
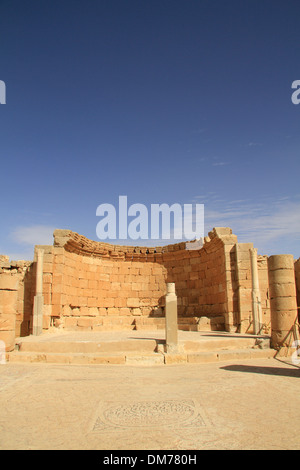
[[282, 299], [256, 300], [243, 276], [297, 275], [9, 285], [38, 302], [171, 319]]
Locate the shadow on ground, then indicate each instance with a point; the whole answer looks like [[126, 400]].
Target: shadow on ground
[[279, 371]]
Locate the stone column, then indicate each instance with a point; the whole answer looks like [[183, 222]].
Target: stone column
[[38, 302], [244, 285], [9, 285], [282, 299], [297, 276], [256, 300], [171, 319]]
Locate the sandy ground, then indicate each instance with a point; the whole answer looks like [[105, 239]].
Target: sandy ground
[[250, 404]]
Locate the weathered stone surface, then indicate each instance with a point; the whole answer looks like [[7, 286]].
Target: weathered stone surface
[[287, 289], [281, 262], [8, 301], [85, 282], [283, 306], [8, 337], [9, 282]]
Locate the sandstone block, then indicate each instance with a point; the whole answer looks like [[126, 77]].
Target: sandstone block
[[283, 290], [107, 303], [125, 311], [7, 322], [70, 322], [136, 311], [283, 303], [56, 298], [175, 358], [91, 302], [281, 339], [8, 301], [56, 310], [107, 359], [47, 310], [133, 302], [143, 359], [46, 322], [93, 311], [202, 357], [8, 337], [282, 320], [112, 311], [280, 262], [84, 323], [120, 302], [102, 311], [9, 282]]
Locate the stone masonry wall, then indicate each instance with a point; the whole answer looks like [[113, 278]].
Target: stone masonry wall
[[241, 273], [199, 277], [297, 276], [90, 285], [103, 287], [92, 292], [95, 285], [16, 294]]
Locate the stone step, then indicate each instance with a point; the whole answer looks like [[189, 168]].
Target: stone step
[[133, 359], [219, 343], [184, 323], [65, 358], [147, 348], [88, 347], [144, 359], [86, 358], [188, 342], [230, 355], [204, 357]]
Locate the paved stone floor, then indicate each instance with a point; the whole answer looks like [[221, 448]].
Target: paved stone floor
[[253, 404]]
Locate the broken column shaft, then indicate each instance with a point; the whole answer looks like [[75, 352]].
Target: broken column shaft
[[282, 299], [38, 302], [171, 319]]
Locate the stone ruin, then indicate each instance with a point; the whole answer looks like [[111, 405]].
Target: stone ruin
[[80, 284]]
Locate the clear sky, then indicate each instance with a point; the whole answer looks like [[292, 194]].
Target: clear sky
[[165, 101]]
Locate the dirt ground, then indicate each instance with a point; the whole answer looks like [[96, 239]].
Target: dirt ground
[[250, 404]]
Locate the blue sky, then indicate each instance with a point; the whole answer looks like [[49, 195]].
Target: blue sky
[[169, 101]]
